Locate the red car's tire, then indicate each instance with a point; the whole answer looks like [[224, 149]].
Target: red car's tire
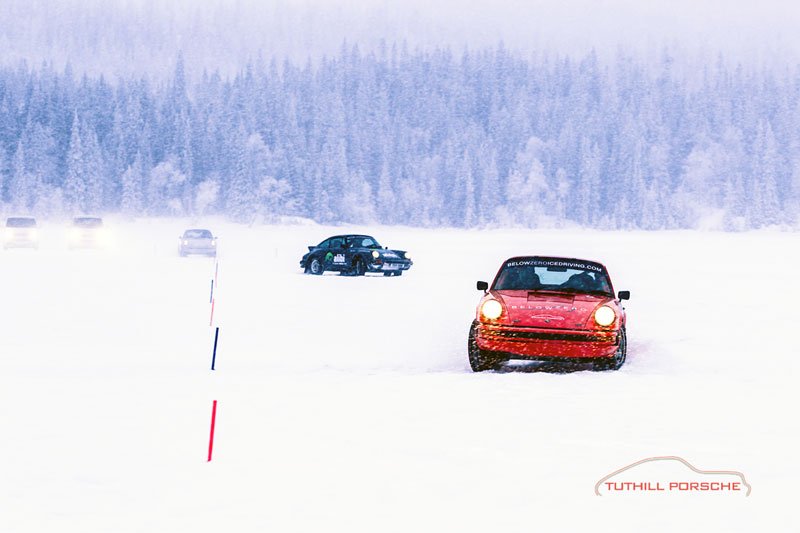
[[480, 360], [616, 362]]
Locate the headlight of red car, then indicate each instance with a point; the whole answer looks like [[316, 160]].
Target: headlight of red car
[[604, 316], [491, 309]]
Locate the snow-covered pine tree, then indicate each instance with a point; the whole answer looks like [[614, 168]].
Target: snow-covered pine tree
[[467, 193], [93, 171], [75, 181], [356, 200], [19, 187], [385, 200], [763, 185], [527, 187], [489, 192], [240, 195], [40, 163], [3, 175], [165, 189], [132, 182], [587, 201]]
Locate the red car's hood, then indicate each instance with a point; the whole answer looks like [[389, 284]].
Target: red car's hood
[[552, 310]]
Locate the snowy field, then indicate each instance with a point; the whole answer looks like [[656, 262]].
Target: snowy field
[[347, 404]]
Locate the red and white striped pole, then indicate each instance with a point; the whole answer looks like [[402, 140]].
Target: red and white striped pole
[[214, 284], [211, 435]]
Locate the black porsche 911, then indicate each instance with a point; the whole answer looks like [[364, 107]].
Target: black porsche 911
[[354, 255]]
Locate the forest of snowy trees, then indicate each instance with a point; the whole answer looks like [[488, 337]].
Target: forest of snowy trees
[[426, 137]]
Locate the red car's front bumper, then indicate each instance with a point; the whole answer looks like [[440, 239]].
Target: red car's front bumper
[[533, 343]]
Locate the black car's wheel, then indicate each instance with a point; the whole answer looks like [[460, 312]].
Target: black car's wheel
[[358, 267], [616, 362], [315, 267], [480, 360]]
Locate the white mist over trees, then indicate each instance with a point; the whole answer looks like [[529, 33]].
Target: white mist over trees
[[142, 37], [425, 138]]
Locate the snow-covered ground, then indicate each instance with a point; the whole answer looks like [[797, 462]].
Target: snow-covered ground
[[347, 404]]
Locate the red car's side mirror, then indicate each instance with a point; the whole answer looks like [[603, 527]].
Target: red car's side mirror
[[482, 286], [624, 295]]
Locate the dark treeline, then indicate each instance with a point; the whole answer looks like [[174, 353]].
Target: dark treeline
[[419, 138]]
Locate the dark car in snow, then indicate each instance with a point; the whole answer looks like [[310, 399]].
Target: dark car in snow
[[20, 232], [197, 241], [549, 309], [354, 255]]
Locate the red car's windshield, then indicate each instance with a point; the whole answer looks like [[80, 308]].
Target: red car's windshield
[[532, 277]]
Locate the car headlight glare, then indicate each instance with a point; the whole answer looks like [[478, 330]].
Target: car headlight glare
[[375, 254], [491, 309], [604, 316], [408, 256]]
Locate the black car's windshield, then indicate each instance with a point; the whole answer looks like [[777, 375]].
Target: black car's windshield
[[538, 275], [197, 234], [21, 222], [362, 241], [87, 222]]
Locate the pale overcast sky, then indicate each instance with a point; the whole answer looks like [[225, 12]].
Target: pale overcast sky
[[95, 33]]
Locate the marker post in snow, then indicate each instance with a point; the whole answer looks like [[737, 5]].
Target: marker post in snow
[[211, 435], [214, 354]]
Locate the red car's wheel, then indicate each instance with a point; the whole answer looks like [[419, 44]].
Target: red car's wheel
[[616, 362], [480, 360]]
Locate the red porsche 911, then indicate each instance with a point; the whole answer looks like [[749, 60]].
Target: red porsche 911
[[549, 309]]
